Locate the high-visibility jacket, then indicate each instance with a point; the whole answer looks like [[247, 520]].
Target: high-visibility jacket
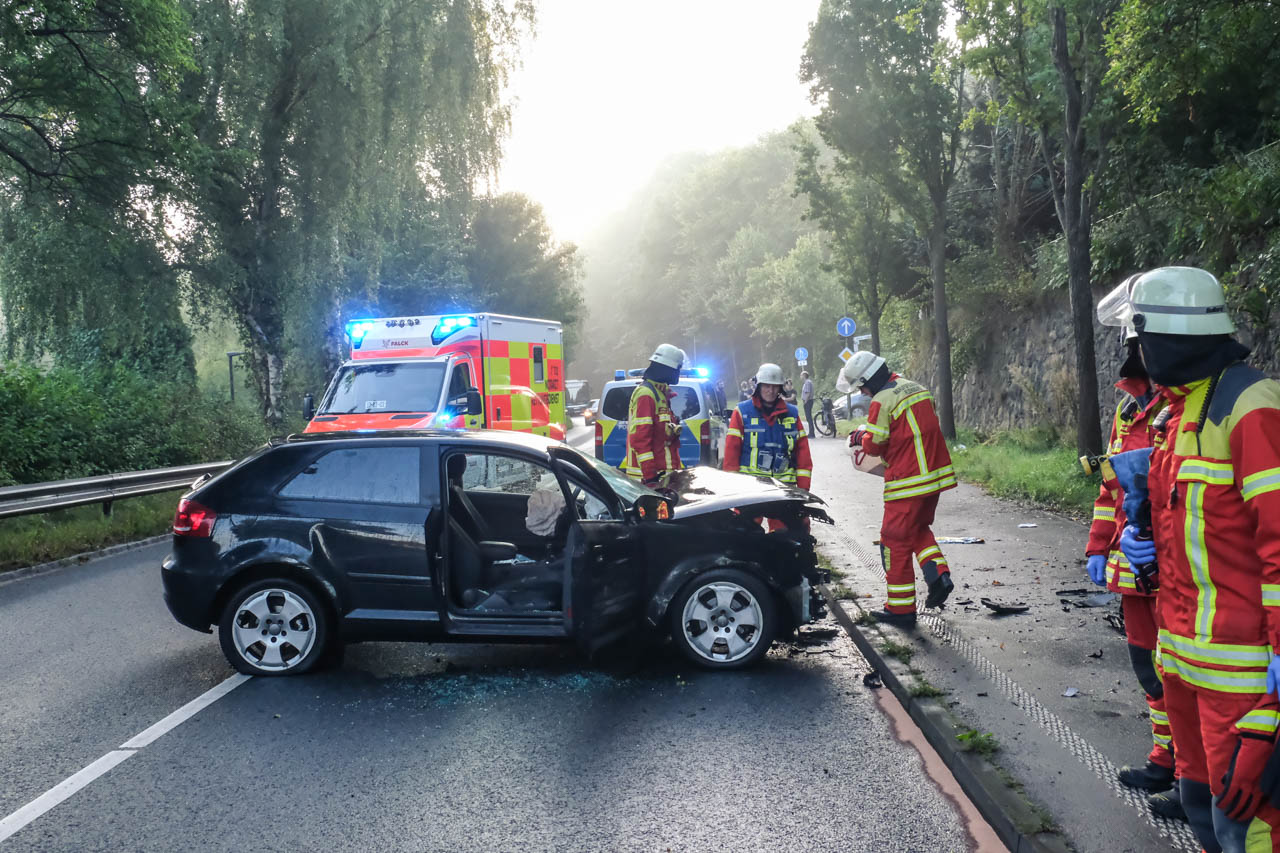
[[773, 440], [1215, 495], [1131, 429], [653, 433], [902, 428]]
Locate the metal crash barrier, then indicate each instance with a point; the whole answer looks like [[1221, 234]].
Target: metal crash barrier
[[63, 494]]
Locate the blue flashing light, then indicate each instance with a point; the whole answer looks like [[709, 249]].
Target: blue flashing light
[[702, 371], [448, 325], [356, 331], [619, 374]]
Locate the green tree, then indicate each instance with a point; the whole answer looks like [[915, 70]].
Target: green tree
[[82, 88], [868, 252], [891, 86], [791, 301], [323, 132], [1073, 112]]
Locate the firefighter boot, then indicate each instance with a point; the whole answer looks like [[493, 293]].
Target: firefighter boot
[[939, 588], [1152, 777], [1167, 804], [902, 620]]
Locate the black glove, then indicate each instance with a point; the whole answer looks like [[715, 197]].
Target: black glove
[[1269, 782]]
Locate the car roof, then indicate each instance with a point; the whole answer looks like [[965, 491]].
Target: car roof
[[487, 437]]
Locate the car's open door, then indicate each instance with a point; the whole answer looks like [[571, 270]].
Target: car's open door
[[606, 581], [606, 564]]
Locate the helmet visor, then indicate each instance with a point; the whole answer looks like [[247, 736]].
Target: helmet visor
[[1115, 309]]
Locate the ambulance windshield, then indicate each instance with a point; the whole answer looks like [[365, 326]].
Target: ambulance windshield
[[385, 388]]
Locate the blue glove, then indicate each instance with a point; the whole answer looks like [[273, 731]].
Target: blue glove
[[1273, 674], [1098, 569], [1139, 551]]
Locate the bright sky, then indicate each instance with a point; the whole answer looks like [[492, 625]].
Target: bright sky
[[609, 89]]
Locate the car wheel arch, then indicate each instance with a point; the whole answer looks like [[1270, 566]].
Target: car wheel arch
[[686, 570], [255, 572]]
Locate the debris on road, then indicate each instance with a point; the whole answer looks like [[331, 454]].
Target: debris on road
[[961, 540], [1002, 609], [1077, 591], [1027, 525], [1096, 654], [1101, 599], [872, 679], [1116, 620], [1071, 692]]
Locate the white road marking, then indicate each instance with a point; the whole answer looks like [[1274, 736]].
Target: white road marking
[[73, 783], [148, 736]]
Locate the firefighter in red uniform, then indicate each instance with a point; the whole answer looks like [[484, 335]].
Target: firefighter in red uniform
[[1214, 485], [768, 429], [1131, 429], [653, 430], [902, 428]]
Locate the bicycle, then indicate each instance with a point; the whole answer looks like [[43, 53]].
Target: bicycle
[[824, 421]]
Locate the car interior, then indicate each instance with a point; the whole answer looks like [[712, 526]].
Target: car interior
[[496, 562]]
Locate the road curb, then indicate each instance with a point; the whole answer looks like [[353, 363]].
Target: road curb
[[78, 559], [1004, 808]]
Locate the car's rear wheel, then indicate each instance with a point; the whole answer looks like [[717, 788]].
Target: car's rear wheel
[[724, 619], [274, 627]]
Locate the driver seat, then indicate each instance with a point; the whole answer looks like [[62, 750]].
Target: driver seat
[[461, 509]]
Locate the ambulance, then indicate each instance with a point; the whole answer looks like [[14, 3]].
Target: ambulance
[[458, 371]]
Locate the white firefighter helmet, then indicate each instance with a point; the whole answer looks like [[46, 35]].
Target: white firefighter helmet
[[770, 374], [668, 354], [860, 367], [1180, 301]]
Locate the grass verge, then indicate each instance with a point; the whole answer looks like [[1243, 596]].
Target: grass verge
[[983, 743], [1030, 465], [32, 539], [901, 651]]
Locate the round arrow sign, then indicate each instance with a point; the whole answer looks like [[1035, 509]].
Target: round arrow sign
[[845, 327], [801, 353]]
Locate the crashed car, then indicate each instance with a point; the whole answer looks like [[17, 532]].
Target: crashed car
[[320, 540]]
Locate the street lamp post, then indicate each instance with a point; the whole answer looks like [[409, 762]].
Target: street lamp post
[[231, 372]]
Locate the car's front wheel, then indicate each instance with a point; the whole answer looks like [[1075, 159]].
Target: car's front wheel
[[273, 627], [724, 619]]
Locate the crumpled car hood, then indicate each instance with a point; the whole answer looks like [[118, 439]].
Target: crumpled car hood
[[702, 490]]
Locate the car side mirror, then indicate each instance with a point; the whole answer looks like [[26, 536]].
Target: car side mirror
[[726, 414], [475, 404], [652, 508], [308, 407]]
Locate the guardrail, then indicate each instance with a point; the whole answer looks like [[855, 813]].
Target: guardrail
[[62, 494]]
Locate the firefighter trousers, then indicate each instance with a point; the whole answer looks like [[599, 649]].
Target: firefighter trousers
[[905, 533], [1140, 630], [1203, 724]]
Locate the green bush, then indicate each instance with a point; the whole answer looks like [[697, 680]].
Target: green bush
[[1030, 464], [66, 422]]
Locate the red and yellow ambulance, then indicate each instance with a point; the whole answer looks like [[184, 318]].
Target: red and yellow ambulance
[[458, 371]]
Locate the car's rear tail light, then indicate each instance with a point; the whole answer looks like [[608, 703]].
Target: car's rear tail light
[[193, 519], [599, 441]]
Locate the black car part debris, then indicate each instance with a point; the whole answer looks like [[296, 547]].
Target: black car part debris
[[1002, 609], [872, 680]]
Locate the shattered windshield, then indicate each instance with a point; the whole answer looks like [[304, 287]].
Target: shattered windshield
[[385, 388]]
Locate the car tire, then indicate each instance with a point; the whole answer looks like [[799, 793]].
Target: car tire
[[708, 616], [274, 627], [859, 412]]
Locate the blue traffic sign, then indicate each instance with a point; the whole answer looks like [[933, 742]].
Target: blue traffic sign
[[845, 327], [801, 353]]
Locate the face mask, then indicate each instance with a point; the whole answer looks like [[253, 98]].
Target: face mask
[[1133, 368], [1173, 360]]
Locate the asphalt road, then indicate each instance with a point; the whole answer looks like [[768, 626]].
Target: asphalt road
[[433, 747]]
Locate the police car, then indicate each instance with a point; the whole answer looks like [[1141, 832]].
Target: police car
[[699, 404]]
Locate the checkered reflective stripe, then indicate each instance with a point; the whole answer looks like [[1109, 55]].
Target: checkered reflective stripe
[[509, 365]]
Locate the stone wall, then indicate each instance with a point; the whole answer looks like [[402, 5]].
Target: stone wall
[[1023, 365]]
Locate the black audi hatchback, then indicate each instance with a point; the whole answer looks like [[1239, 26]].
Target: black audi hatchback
[[320, 540]]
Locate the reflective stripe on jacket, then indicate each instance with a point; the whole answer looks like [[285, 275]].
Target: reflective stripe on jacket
[[1215, 495], [1131, 429], [768, 443], [902, 428], [653, 434]]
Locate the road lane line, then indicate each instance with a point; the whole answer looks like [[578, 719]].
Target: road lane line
[[60, 792], [73, 783], [147, 736]]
